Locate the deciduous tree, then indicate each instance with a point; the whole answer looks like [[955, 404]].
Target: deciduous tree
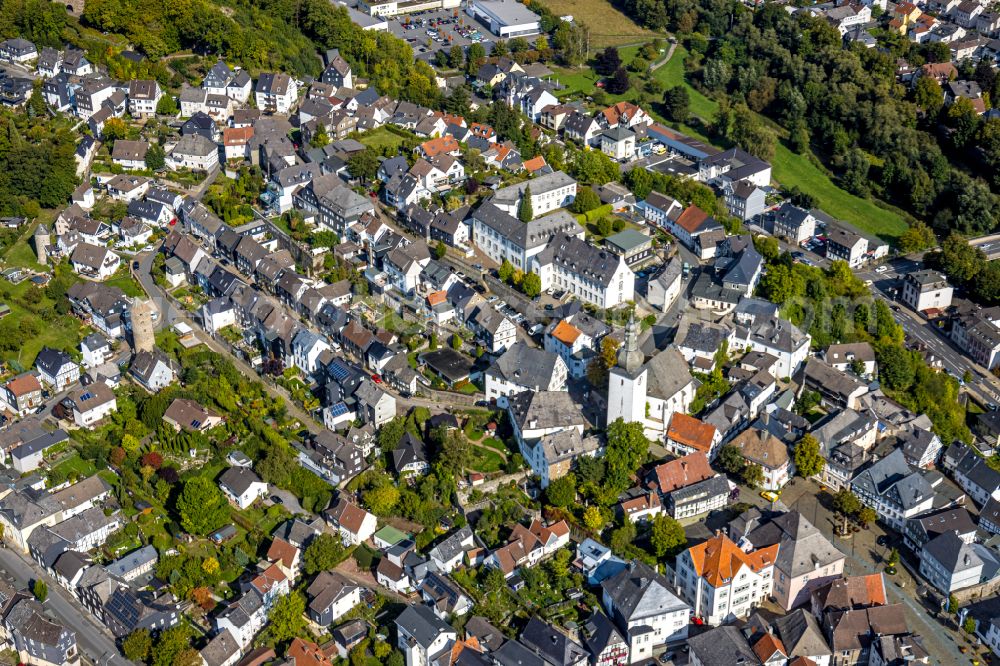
[[808, 459], [666, 535], [201, 506], [323, 553]]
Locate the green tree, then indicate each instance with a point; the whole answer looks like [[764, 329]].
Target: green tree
[[456, 341], [928, 95], [137, 645], [171, 644], [677, 103], [604, 227], [586, 200], [731, 459], [752, 475], [363, 164], [808, 459], [896, 366], [666, 535], [201, 506], [323, 553], [846, 503], [600, 365], [155, 157], [531, 285], [440, 249], [287, 617], [320, 137], [562, 491], [114, 129], [777, 285], [952, 604], [623, 537], [382, 499], [867, 515], [506, 272], [963, 118], [626, 450], [524, 211], [477, 53], [594, 519], [456, 57], [167, 106], [40, 589], [917, 237], [969, 625]]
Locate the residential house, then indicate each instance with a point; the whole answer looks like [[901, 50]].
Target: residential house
[[926, 290], [723, 582], [523, 368], [91, 404], [276, 93], [242, 486], [894, 490], [56, 368], [354, 524], [645, 610], [330, 598]]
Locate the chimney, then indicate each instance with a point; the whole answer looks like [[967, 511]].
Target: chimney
[[764, 417]]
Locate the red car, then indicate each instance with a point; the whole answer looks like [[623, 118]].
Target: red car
[[377, 379]]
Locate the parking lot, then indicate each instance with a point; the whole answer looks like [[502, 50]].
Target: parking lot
[[431, 31]]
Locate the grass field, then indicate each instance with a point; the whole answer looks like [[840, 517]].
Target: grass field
[[608, 26], [381, 138], [485, 460]]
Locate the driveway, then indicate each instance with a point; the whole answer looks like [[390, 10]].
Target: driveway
[[288, 500]]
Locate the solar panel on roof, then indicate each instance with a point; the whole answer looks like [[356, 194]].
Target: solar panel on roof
[[339, 371], [338, 409]]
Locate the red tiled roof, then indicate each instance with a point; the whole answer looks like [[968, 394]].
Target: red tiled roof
[[718, 560], [691, 432], [683, 472]]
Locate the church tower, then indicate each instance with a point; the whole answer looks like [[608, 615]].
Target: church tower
[[627, 380]]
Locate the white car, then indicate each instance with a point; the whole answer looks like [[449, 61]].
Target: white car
[[881, 269]]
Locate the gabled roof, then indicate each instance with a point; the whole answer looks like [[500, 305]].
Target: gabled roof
[[718, 560], [682, 472]]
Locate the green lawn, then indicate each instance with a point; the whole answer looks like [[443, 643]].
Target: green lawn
[[381, 138], [124, 281], [495, 444], [72, 467], [485, 461]]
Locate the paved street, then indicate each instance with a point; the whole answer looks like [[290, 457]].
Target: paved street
[[93, 640]]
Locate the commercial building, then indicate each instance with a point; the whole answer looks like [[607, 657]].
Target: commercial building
[[505, 18]]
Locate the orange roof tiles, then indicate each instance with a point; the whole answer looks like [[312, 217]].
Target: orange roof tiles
[[439, 146], [691, 218], [614, 113], [306, 653], [24, 384], [436, 297], [237, 136], [802, 661], [683, 472], [534, 164], [767, 646], [718, 560], [691, 432], [268, 579], [566, 333]]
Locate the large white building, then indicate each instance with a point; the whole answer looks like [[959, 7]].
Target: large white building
[[592, 274], [648, 392], [549, 192], [721, 582], [505, 18], [502, 236]]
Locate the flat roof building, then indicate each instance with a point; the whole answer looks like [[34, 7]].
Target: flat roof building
[[505, 18]]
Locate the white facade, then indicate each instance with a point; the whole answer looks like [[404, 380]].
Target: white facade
[[720, 600], [92, 415], [577, 280]]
